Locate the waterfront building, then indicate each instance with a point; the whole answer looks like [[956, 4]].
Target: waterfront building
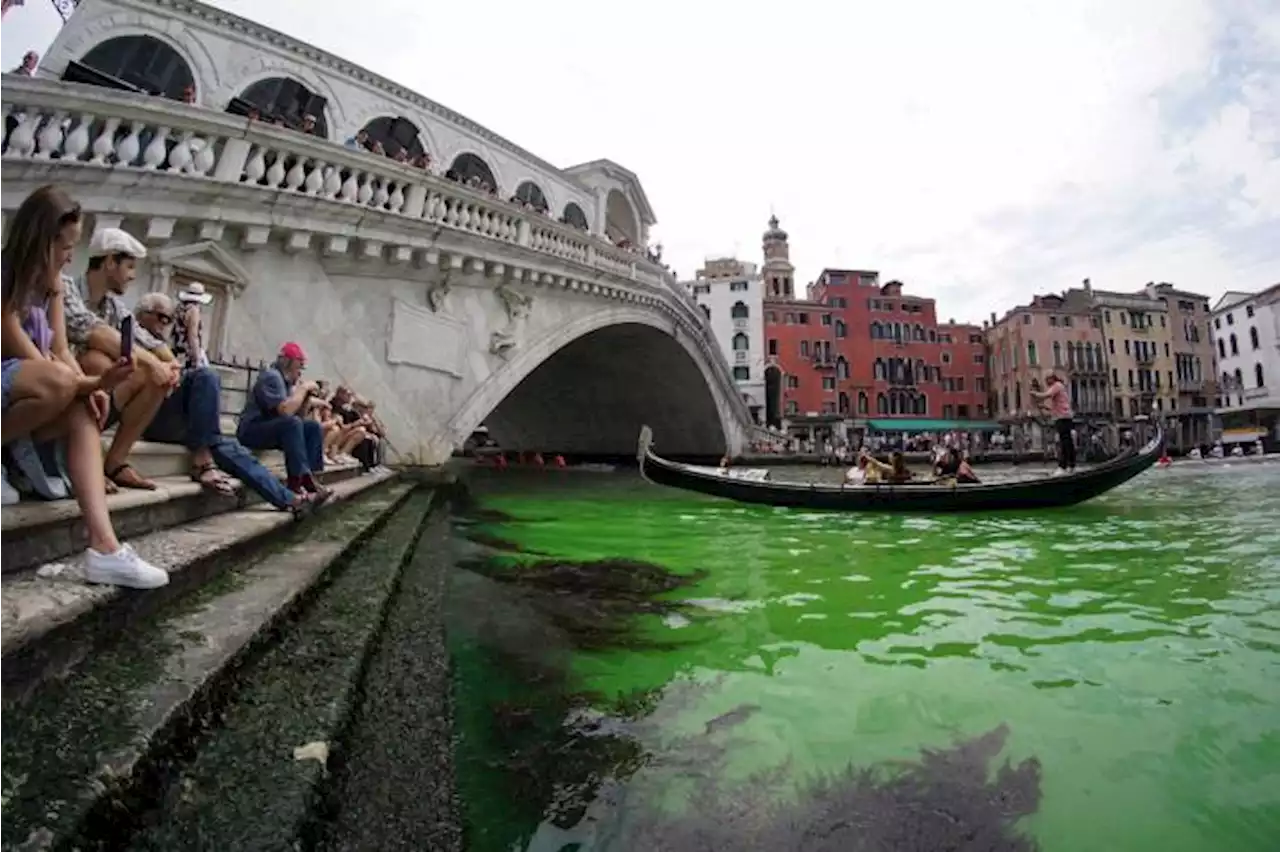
[[452, 275], [730, 293], [1246, 335], [1053, 333], [859, 355]]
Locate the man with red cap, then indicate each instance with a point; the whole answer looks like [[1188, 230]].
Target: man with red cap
[[274, 419]]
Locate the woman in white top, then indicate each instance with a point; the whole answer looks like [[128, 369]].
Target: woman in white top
[[188, 328]]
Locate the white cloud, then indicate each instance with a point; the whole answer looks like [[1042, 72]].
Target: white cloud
[[980, 152]]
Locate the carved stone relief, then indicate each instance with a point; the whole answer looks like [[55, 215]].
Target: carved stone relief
[[518, 307]]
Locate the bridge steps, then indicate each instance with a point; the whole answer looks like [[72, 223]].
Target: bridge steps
[[142, 674]]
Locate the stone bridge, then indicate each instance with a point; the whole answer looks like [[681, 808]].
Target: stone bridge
[[449, 306]]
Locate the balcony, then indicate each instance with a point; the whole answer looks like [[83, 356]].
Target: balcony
[[740, 323], [740, 356], [1191, 385], [1146, 359]]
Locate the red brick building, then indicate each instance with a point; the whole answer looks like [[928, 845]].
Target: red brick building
[[860, 350]]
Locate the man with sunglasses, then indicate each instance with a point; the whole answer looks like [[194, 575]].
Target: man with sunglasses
[[191, 416]]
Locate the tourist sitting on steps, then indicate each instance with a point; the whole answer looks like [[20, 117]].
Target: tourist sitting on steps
[[94, 336], [274, 418], [191, 415], [46, 395]]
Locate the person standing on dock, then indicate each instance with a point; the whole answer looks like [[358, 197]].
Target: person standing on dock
[[1059, 405]]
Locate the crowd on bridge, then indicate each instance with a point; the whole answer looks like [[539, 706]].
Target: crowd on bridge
[[77, 362]]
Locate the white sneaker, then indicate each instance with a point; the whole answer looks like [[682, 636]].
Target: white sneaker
[[123, 568], [1057, 471], [8, 494]]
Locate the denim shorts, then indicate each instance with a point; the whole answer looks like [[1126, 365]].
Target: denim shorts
[[11, 366]]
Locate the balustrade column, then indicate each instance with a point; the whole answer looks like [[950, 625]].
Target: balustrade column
[[235, 154], [415, 201], [524, 232]]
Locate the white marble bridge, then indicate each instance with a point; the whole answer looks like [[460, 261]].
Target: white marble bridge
[[449, 305]]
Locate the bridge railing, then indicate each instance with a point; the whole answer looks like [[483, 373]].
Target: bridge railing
[[66, 124], [47, 120]]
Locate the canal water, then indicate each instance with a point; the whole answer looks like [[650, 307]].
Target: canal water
[[1099, 678]]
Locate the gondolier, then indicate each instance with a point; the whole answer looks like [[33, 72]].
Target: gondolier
[[1059, 405]]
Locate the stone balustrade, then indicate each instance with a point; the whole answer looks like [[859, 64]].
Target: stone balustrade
[[62, 124], [48, 120]]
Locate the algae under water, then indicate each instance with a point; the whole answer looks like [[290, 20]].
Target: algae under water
[[1103, 677]]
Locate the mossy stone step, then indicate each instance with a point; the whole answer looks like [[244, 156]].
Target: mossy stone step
[[255, 782], [79, 753]]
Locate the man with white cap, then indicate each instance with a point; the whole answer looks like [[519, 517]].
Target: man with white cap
[[93, 312]]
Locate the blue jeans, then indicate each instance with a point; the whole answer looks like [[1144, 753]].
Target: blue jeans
[[190, 417], [301, 441]]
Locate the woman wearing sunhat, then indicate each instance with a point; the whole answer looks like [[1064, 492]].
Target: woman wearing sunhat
[[188, 327]]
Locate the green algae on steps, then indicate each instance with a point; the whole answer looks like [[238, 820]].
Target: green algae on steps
[[393, 788], [57, 741], [245, 789]]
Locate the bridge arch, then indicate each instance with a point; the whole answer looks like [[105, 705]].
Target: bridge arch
[[588, 386]]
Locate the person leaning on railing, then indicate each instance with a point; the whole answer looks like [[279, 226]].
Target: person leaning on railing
[[46, 395]]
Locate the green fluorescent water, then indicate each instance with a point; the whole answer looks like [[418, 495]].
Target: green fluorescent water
[[1132, 644]]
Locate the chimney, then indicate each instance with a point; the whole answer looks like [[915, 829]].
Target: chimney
[[993, 317], [1088, 288]]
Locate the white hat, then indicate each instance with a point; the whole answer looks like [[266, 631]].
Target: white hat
[[109, 241], [194, 292]]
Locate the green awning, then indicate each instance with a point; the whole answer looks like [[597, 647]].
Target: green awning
[[911, 424]]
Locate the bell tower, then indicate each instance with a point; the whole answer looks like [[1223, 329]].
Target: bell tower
[[779, 274]]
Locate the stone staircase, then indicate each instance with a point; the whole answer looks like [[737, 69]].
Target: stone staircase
[[202, 715]]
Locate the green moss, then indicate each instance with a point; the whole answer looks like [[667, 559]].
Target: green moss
[[55, 742], [244, 789]]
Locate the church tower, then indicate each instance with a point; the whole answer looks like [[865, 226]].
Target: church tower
[[778, 272]]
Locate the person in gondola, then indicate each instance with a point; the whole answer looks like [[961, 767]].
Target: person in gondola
[[1058, 401], [955, 466], [894, 472]]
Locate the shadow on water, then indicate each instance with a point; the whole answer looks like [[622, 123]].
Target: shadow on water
[[545, 764]]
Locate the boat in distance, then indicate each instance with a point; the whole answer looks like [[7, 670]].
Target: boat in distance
[[924, 496]]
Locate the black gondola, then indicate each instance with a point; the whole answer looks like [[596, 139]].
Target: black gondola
[[1040, 493]]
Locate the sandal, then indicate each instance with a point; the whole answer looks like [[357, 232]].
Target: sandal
[[208, 477], [133, 480]]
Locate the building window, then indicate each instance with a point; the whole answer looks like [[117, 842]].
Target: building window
[[843, 331], [829, 383], [793, 382], [741, 374], [826, 319], [739, 311], [862, 402], [882, 404], [793, 407], [737, 287], [1253, 338], [804, 349], [804, 319], [1032, 359], [773, 346], [1235, 347], [1257, 376], [741, 343], [1248, 311]]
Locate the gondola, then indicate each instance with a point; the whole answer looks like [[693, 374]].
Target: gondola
[[1040, 493]]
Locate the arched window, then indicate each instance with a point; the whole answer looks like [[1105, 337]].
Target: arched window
[[922, 404], [741, 343], [472, 171], [842, 330], [1226, 379], [284, 100], [1239, 380], [897, 332], [530, 193], [877, 370], [862, 402], [842, 368], [134, 63], [875, 331], [739, 311], [1004, 399], [574, 216], [1057, 354], [1032, 360], [1253, 338], [882, 404], [1097, 355], [392, 135], [1257, 376], [1088, 357], [1235, 348], [1222, 348], [742, 374], [908, 375], [1071, 356], [1017, 395], [919, 332], [844, 403]]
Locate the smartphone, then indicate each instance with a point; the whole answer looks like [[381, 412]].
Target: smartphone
[[126, 338]]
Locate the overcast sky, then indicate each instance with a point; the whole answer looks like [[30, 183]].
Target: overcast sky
[[980, 151]]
